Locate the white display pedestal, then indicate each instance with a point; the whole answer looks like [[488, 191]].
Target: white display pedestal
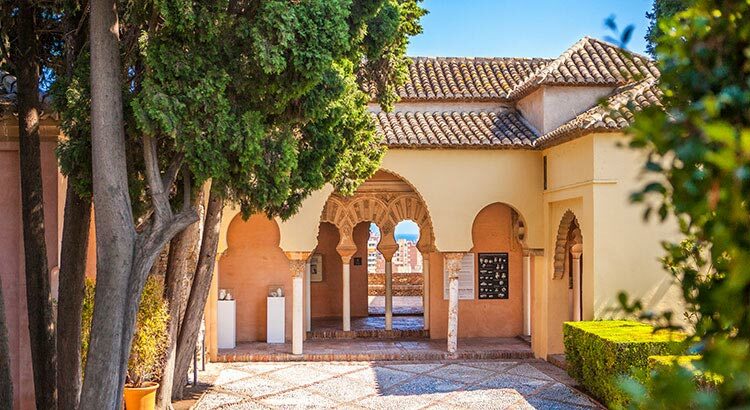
[[275, 322], [226, 319]]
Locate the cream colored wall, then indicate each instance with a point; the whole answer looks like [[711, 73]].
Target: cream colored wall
[[551, 106], [627, 249], [457, 184], [593, 178]]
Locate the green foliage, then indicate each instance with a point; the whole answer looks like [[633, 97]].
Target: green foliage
[[699, 160], [661, 10], [267, 98], [150, 339], [87, 315], [598, 353]]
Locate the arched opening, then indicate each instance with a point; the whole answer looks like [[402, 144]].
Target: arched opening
[[565, 290], [396, 226]]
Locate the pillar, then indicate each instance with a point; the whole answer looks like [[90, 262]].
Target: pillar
[[210, 315], [426, 289], [575, 253], [526, 292], [453, 266], [388, 248], [297, 262], [308, 305], [346, 249]]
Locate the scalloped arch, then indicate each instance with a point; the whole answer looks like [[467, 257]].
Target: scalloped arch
[[568, 225], [386, 209]]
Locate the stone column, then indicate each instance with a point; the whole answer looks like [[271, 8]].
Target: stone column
[[453, 266], [297, 262], [308, 306], [575, 253], [526, 292], [346, 249], [388, 248]]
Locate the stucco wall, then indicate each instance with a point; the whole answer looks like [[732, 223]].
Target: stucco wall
[[491, 232], [251, 264], [551, 106], [12, 272], [326, 296]]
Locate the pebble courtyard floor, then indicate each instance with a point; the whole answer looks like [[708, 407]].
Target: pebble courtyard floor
[[511, 384]]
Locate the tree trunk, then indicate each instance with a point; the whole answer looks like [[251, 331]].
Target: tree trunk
[[38, 296], [176, 283], [6, 382], [74, 246], [70, 301], [115, 233], [188, 333]]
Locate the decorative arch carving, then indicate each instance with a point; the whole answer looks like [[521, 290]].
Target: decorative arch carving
[[386, 209], [567, 233]]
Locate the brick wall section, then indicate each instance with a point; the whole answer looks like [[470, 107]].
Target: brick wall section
[[404, 284]]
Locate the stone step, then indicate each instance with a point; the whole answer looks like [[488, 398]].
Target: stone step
[[323, 334]]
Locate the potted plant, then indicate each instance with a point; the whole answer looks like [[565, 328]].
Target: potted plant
[[146, 359]]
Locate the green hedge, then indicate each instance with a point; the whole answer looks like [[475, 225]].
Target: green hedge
[[703, 379], [598, 352]]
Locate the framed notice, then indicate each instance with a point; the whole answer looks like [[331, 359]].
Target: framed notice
[[316, 268], [492, 275], [465, 279]]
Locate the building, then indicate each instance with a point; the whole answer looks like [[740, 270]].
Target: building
[[507, 163]]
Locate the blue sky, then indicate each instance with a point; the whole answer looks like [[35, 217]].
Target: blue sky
[[522, 28]]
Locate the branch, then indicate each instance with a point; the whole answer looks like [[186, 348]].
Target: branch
[[159, 196], [174, 167]]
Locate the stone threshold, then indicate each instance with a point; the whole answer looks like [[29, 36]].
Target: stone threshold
[[368, 334], [373, 356]]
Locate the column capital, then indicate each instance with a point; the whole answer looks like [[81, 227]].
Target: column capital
[[387, 247], [533, 252], [576, 251], [297, 262], [453, 263]]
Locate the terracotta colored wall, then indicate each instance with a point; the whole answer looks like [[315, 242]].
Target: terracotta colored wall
[[253, 262], [491, 232], [11, 257], [326, 296]]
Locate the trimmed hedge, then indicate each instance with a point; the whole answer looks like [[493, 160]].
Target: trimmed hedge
[[703, 379], [599, 352]]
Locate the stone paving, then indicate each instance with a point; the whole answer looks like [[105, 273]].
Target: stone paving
[[521, 384]]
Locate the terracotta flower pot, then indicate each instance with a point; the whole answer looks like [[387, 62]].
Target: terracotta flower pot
[[141, 398]]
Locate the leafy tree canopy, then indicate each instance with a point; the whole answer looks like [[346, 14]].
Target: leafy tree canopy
[[700, 163], [268, 99], [660, 11]]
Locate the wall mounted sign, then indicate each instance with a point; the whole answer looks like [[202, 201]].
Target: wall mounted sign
[[357, 261], [493, 275], [316, 268], [465, 279]]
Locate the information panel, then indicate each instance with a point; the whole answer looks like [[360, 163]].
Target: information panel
[[465, 279], [493, 275]]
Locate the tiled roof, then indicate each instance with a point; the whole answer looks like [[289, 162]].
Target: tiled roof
[[455, 129], [615, 114], [590, 62], [463, 78]]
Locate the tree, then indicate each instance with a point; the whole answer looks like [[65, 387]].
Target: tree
[[20, 29], [661, 10], [76, 165], [6, 382], [264, 99], [699, 169]]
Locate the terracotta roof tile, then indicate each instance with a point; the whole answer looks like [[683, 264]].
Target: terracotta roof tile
[[463, 78], [615, 114], [590, 62], [503, 129]]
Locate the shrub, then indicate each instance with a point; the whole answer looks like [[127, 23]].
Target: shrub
[[598, 353], [150, 339], [688, 363]]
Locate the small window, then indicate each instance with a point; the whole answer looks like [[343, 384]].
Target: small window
[[545, 172]]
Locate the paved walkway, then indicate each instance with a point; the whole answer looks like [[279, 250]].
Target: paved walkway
[[379, 350], [525, 384], [402, 305]]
